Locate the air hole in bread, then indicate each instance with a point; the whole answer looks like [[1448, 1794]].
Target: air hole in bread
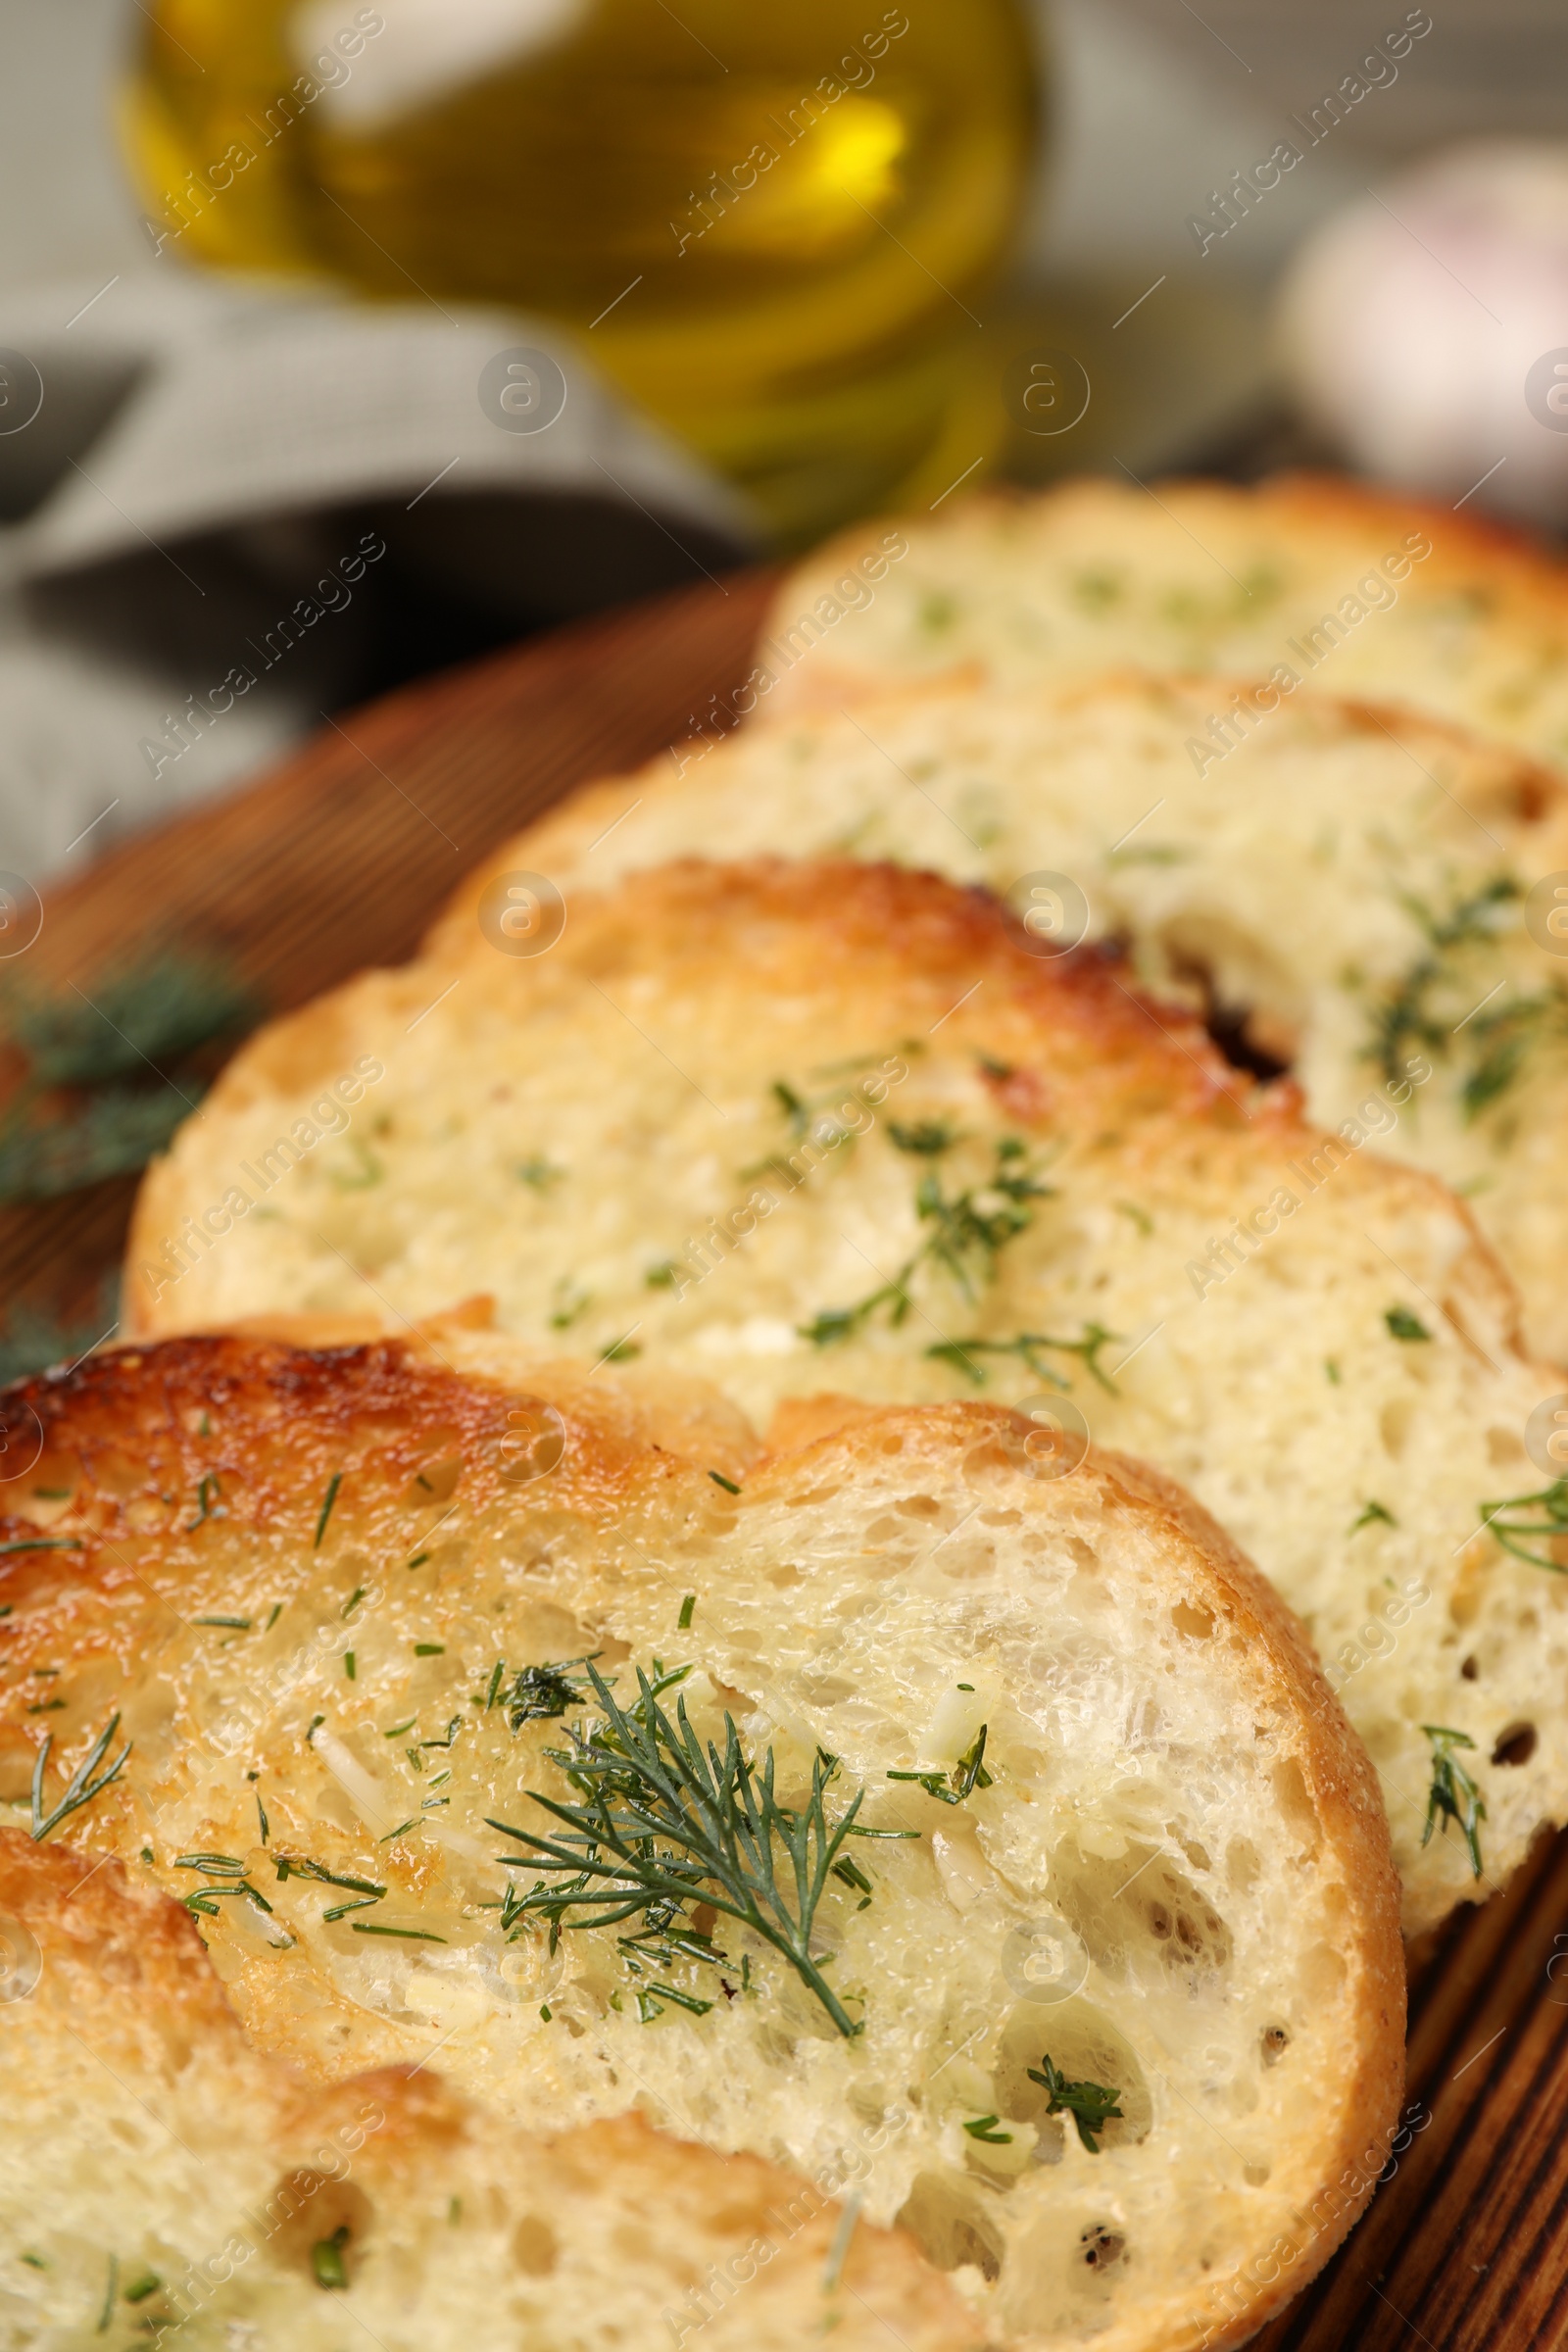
[[1505, 1448], [1140, 1909], [1470, 1671], [1295, 1802], [949, 2224], [1102, 2245], [919, 1507], [1250, 1037], [1197, 1623], [1245, 1038], [1516, 1746], [1081, 2042], [308, 2211], [1274, 2041], [533, 2246]]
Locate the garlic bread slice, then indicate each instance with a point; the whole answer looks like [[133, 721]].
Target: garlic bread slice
[[973, 1837], [1345, 588]]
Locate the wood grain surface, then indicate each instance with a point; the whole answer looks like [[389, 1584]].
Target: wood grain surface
[[338, 860]]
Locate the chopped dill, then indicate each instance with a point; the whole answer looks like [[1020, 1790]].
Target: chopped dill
[[1028, 1347], [41, 1544], [333, 1485], [966, 1776], [82, 1787], [110, 2291], [984, 2127], [686, 1608], [430, 1649], [1402, 1325], [925, 1137], [719, 1480], [968, 1233], [1545, 1521], [1089, 2104], [1453, 1794], [650, 1997], [371, 1927], [238, 1624], [327, 2267], [206, 1501], [1370, 1512], [539, 1693]]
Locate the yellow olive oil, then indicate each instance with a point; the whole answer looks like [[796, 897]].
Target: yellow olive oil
[[776, 229]]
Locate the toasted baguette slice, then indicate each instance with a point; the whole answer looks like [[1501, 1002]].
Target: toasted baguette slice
[[807, 1127], [1349, 588], [1164, 1867], [164, 2173], [1345, 887]]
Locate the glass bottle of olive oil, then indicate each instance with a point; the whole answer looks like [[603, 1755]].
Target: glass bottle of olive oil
[[776, 228]]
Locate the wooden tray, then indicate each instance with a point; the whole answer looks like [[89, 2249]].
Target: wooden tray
[[339, 860]]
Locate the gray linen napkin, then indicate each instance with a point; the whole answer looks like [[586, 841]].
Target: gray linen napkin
[[210, 498]]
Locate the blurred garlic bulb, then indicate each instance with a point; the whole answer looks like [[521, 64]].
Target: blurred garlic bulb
[[1425, 328]]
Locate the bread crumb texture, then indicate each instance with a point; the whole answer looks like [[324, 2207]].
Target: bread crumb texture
[[167, 2179], [1128, 2008], [796, 1128], [1342, 890], [1354, 590]]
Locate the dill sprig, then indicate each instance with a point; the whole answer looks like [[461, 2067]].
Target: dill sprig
[[1549, 1525], [667, 1822], [99, 1099], [158, 1009], [82, 1787], [1453, 1794], [1089, 2104], [1029, 1346], [111, 1133], [967, 1232], [1418, 1009]]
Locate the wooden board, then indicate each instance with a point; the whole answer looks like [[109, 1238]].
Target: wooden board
[[340, 859]]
